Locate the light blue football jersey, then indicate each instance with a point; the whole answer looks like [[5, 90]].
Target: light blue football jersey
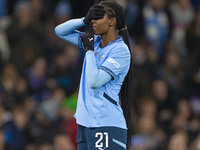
[[100, 107]]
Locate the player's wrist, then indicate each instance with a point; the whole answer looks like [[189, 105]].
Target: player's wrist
[[90, 53], [89, 49], [82, 20], [86, 20]]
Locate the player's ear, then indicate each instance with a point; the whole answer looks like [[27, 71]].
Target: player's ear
[[112, 21]]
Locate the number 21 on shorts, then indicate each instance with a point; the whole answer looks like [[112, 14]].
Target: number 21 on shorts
[[99, 143]]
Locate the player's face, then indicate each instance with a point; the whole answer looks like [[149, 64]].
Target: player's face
[[101, 26]]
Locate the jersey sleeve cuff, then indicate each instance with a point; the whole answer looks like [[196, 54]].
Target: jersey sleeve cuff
[[111, 73], [90, 52], [82, 20]]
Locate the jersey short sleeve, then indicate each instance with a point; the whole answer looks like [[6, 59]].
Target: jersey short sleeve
[[117, 61]]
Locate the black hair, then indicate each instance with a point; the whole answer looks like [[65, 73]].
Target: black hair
[[113, 9]]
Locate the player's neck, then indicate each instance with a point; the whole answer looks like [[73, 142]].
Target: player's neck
[[108, 37]]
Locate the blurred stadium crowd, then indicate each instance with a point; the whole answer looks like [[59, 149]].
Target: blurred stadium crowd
[[40, 73]]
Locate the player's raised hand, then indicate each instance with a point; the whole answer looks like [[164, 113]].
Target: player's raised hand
[[88, 40], [95, 12]]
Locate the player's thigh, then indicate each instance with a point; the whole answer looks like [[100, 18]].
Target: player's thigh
[[106, 138]]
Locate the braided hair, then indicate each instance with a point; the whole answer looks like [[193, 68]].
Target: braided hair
[[113, 9]]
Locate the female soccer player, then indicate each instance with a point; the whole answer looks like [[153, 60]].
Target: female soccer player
[[101, 122]]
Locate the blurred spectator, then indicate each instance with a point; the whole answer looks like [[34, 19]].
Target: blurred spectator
[[195, 4], [4, 22], [62, 11], [4, 45], [160, 91], [14, 129], [193, 128], [62, 141], [68, 122], [29, 105], [147, 135], [3, 145], [152, 55], [192, 43], [40, 129], [179, 123], [52, 45], [153, 23], [25, 37], [9, 77], [52, 106], [66, 69], [37, 6], [195, 144], [71, 101], [142, 66], [14, 87], [178, 141], [180, 8], [45, 147], [172, 72], [36, 75], [3, 8], [132, 11], [165, 105], [147, 107], [195, 103], [5, 116], [191, 88], [184, 109]]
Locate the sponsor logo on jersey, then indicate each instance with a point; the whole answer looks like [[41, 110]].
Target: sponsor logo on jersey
[[114, 62]]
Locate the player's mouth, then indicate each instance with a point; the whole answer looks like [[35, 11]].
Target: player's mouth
[[94, 27]]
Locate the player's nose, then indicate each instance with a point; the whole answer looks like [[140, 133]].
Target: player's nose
[[93, 21]]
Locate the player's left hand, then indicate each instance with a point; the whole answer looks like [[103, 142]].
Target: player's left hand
[[88, 41]]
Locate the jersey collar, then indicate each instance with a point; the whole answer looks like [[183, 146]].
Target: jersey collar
[[119, 38]]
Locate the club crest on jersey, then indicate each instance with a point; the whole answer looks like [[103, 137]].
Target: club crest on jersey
[[114, 62], [102, 57]]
